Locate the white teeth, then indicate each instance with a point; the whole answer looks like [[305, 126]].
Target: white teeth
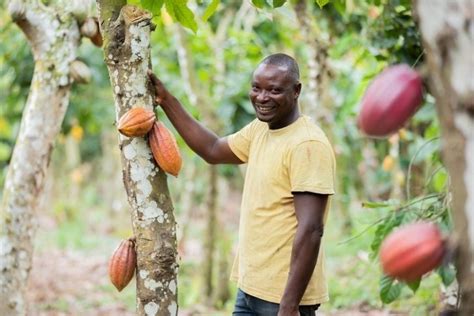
[[264, 109]]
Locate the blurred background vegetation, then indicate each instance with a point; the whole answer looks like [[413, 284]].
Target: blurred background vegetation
[[382, 183]]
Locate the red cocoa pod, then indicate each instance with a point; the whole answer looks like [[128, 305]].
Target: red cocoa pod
[[165, 149], [412, 250], [390, 100], [122, 264], [136, 122]]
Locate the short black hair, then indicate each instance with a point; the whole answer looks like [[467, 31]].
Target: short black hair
[[284, 60]]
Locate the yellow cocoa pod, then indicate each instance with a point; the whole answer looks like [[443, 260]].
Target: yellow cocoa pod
[[136, 122], [122, 264], [165, 149], [388, 163]]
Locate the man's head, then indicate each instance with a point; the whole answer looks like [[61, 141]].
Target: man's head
[[275, 90]]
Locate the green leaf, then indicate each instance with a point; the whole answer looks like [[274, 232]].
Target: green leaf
[[390, 289], [278, 3], [154, 6], [439, 180], [180, 12], [414, 285], [210, 10], [259, 3], [322, 3], [447, 274], [383, 229], [369, 204]]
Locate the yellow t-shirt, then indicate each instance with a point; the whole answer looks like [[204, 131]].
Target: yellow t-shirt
[[297, 157]]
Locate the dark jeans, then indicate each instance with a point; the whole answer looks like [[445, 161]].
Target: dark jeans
[[248, 305]]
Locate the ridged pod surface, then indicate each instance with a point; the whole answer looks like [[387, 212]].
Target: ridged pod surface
[[412, 250], [390, 100], [165, 149], [136, 122], [122, 264]]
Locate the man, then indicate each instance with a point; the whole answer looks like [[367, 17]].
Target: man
[[289, 178]]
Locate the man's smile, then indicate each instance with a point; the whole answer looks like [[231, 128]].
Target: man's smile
[[264, 109]]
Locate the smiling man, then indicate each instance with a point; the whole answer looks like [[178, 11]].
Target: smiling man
[[279, 267]]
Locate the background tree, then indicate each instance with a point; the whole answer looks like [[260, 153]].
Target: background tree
[[53, 33], [448, 37]]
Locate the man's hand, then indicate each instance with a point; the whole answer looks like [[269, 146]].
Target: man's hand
[[161, 93]]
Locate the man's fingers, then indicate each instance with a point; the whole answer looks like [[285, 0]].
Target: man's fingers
[[156, 83], [154, 79]]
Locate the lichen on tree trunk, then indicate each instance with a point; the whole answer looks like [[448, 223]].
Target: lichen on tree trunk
[[447, 29], [126, 31], [53, 35]]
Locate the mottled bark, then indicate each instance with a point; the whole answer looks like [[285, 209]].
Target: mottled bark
[[126, 31], [447, 29], [53, 35]]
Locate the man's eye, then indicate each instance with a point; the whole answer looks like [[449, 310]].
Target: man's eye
[[276, 91], [255, 89]]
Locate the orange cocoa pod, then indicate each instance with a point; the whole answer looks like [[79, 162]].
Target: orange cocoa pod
[[412, 250], [122, 264], [165, 149], [136, 122]]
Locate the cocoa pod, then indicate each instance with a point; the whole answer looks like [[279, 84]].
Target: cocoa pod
[[122, 264], [89, 28], [390, 100], [136, 122], [165, 149], [80, 73], [412, 250], [17, 10], [97, 38]]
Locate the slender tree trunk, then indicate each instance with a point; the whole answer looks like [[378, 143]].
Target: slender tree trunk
[[126, 32], [53, 35], [206, 102], [318, 67], [447, 29], [210, 239]]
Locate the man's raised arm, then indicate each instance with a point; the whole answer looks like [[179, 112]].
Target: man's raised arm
[[212, 148]]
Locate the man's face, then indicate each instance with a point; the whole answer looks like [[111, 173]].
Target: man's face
[[274, 95]]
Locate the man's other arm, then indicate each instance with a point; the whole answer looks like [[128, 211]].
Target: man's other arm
[[309, 209]]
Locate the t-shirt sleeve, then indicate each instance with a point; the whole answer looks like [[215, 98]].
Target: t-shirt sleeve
[[239, 142], [312, 168]]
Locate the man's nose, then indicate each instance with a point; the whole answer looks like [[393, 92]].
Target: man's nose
[[263, 96]]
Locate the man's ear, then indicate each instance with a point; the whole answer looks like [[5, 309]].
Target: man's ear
[[297, 90]]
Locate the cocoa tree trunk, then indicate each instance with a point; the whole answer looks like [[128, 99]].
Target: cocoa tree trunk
[[53, 35], [126, 31], [447, 29]]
